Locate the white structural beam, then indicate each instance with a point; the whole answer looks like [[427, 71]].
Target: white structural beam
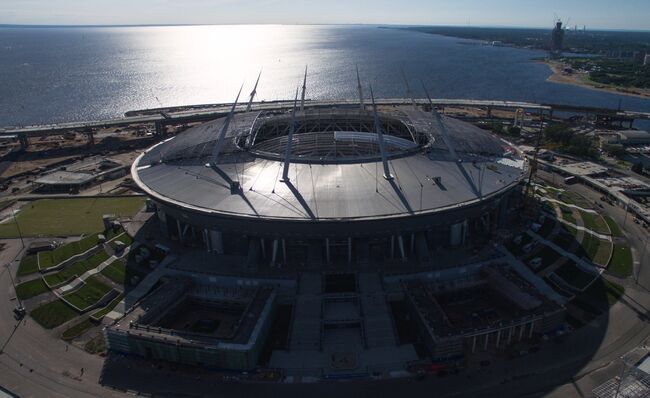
[[409, 93], [214, 157], [360, 89], [380, 138], [447, 140], [304, 90], [253, 93], [287, 151]]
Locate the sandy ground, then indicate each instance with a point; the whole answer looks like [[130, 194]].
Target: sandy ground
[[582, 80]]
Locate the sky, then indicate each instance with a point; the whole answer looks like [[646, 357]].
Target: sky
[[606, 14]]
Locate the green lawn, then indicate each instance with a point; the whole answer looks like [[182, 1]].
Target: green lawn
[[573, 275], [102, 312], [594, 222], [124, 238], [51, 258], [28, 265], [613, 226], [68, 217], [574, 199], [88, 294], [77, 330], [621, 264], [30, 289], [567, 214], [53, 314], [76, 269], [116, 271]]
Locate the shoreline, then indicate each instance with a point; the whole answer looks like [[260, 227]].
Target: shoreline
[[582, 80]]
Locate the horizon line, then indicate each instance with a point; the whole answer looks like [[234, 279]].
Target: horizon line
[[596, 29]]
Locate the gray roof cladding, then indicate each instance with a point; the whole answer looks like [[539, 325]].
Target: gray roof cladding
[[176, 171]]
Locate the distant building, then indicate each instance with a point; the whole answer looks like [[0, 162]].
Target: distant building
[[646, 61], [627, 138], [557, 38], [638, 57]]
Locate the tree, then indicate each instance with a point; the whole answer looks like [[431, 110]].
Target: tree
[[616, 151], [637, 168], [514, 131]]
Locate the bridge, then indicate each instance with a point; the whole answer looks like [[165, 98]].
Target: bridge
[[162, 117]]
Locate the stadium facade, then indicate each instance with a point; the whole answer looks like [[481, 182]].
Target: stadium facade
[[331, 185]]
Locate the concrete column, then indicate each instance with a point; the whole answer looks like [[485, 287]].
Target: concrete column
[[216, 241], [275, 252], [392, 246], [474, 344], [24, 141], [400, 241], [206, 238], [180, 231], [284, 251], [349, 250], [487, 339], [521, 331], [160, 128], [532, 326], [412, 243], [498, 337], [91, 139], [457, 233], [510, 330], [262, 243], [327, 250]]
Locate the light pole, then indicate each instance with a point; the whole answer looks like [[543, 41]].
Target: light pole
[[20, 234], [645, 245]]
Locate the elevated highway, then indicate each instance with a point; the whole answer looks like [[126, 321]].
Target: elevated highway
[[162, 117]]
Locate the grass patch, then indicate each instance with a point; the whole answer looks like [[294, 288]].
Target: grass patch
[[30, 289], [124, 238], [53, 314], [89, 294], [28, 265], [116, 271], [594, 222], [574, 275], [613, 226], [621, 264], [565, 240], [49, 259], [68, 217], [567, 215], [76, 269], [574, 199], [77, 330], [96, 345], [102, 312]]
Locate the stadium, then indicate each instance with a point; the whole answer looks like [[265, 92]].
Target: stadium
[[328, 185], [333, 241]]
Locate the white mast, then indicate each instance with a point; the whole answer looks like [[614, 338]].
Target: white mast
[[361, 104], [253, 93], [287, 152], [304, 90], [380, 138], [224, 129]]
